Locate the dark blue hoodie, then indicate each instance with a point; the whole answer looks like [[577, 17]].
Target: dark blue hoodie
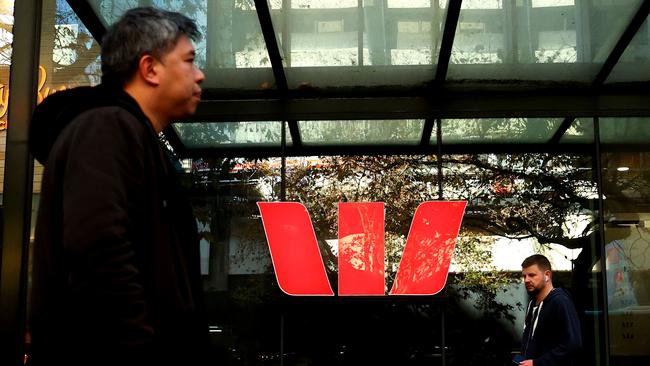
[[552, 337]]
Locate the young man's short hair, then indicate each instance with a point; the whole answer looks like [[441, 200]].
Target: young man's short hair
[[538, 259]]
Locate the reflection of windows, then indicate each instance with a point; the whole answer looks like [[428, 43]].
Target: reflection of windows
[[323, 4], [552, 3], [408, 3], [482, 4], [414, 40], [556, 47], [329, 26], [471, 26], [414, 27]]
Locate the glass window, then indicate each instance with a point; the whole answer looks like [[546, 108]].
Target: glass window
[[633, 64], [480, 34], [519, 205], [360, 330], [580, 131], [627, 242], [504, 130], [323, 33], [524, 40], [409, 3], [361, 132], [624, 130], [406, 33], [230, 134], [359, 39], [242, 299], [232, 39]]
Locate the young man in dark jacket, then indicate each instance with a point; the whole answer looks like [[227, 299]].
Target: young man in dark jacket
[[551, 327], [116, 278]]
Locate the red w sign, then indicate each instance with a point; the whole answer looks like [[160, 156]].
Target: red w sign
[[423, 269]]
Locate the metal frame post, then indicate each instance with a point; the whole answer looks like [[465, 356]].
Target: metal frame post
[[19, 169]]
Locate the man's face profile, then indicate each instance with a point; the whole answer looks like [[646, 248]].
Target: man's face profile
[[180, 79], [533, 278]]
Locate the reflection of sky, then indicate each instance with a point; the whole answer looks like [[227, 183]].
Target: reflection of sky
[[507, 255], [63, 53]]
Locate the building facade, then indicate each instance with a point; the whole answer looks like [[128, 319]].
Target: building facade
[[534, 112]]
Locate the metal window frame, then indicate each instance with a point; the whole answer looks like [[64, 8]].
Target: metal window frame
[[17, 195]]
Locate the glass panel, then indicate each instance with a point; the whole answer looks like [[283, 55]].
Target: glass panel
[[323, 33], [625, 130], [352, 331], [318, 35], [480, 34], [240, 293], [519, 205], [511, 39], [503, 130], [361, 132], [553, 28], [407, 33], [626, 187], [580, 131], [232, 39], [634, 64], [409, 3], [6, 39], [109, 11], [323, 4], [230, 134]]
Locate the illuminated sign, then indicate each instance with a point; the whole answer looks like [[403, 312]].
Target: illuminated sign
[[42, 92], [425, 261]]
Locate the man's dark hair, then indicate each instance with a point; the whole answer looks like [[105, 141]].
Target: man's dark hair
[[141, 31], [538, 259]]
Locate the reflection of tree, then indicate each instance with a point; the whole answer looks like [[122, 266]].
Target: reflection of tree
[[545, 197], [547, 193], [224, 195]]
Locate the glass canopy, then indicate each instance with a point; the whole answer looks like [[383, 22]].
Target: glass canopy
[[504, 130], [207, 135], [408, 72], [361, 132], [634, 64], [557, 40]]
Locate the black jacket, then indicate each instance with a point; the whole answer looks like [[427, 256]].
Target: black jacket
[[556, 338], [116, 278]]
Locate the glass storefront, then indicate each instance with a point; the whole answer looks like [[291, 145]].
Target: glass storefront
[[574, 189], [518, 204], [627, 240]]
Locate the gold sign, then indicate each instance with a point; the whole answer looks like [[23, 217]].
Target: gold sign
[[42, 92]]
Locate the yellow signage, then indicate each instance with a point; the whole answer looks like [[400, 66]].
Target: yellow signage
[[42, 92]]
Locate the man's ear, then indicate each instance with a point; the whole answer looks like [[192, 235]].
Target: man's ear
[[148, 69]]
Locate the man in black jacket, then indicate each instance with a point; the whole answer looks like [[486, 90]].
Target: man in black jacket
[[116, 278], [551, 327]]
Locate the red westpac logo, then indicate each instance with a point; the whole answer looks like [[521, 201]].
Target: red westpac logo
[[423, 268]]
